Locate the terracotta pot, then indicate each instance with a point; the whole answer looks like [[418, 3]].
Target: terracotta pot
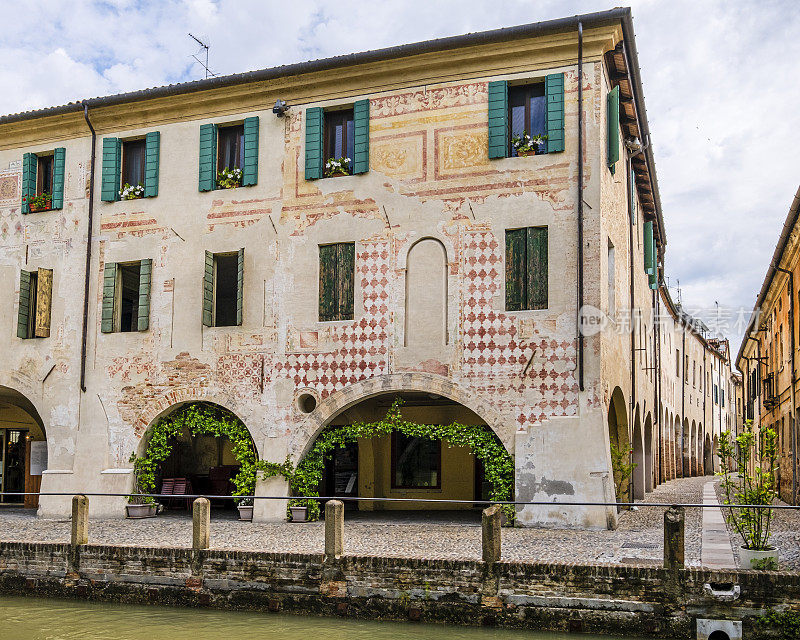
[[748, 556], [299, 514], [246, 512], [137, 511], [525, 154], [45, 207]]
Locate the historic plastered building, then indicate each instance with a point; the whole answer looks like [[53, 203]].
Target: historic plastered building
[[384, 236]]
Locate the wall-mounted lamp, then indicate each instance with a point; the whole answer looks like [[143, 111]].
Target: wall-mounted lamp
[[280, 108]]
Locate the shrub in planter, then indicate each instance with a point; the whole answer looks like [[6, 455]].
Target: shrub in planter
[[755, 458], [229, 178], [140, 506], [526, 145], [40, 202], [337, 167], [131, 192]]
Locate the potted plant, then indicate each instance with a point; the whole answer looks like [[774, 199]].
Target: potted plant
[[337, 167], [229, 178], [40, 202], [140, 506], [526, 145], [131, 192], [298, 510], [245, 506], [755, 459]]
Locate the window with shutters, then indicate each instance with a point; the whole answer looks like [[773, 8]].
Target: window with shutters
[[228, 155], [230, 147], [126, 296], [133, 157], [339, 148], [35, 302], [43, 181], [336, 281], [130, 168], [223, 289], [527, 114], [526, 268]]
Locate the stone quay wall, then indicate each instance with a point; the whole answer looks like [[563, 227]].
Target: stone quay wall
[[628, 600]]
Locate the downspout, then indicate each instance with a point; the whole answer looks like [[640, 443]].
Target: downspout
[[88, 250], [683, 396], [580, 205], [657, 363], [793, 417], [704, 387], [631, 296]]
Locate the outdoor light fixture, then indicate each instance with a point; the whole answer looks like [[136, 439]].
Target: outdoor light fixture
[[280, 108], [633, 145]]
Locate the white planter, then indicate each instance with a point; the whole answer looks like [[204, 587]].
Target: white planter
[[748, 556], [138, 511], [299, 514], [246, 512]]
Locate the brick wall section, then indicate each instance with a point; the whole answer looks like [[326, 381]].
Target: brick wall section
[[567, 597]]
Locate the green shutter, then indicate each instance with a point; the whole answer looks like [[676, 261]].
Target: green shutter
[[315, 127], [537, 267], [152, 152], [554, 90], [612, 134], [498, 119], [24, 313], [345, 275], [648, 248], [653, 277], [208, 158], [239, 286], [59, 158], [109, 286], [632, 195], [145, 279], [250, 169], [29, 162], [208, 290], [327, 282], [361, 134], [109, 189], [515, 271]]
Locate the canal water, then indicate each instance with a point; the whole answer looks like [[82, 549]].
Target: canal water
[[44, 619]]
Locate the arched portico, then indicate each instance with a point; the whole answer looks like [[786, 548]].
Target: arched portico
[[618, 436], [23, 445], [649, 477], [639, 471], [708, 457]]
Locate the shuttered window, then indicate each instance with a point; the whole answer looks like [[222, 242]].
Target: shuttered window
[[43, 181], [336, 281], [59, 163], [554, 90], [126, 296], [223, 289], [361, 136], [208, 157], [315, 133], [250, 159], [112, 155], [337, 134], [35, 303], [152, 154], [526, 269], [612, 133]]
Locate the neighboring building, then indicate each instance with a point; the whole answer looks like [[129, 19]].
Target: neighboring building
[[446, 269], [769, 352]]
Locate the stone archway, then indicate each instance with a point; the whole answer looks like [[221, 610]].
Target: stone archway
[[708, 456], [617, 419], [649, 476], [694, 467], [23, 443], [639, 472]]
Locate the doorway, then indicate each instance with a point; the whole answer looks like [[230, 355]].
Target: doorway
[[12, 464]]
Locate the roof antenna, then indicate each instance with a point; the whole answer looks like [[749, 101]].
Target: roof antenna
[[206, 47]]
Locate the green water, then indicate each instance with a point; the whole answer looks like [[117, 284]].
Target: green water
[[42, 619]]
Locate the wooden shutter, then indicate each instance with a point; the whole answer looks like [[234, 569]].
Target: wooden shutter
[[554, 90], [239, 286], [250, 168], [59, 159], [29, 162], [632, 194], [345, 275], [612, 121], [515, 271], [537, 272], [498, 119], [208, 290], [361, 135], [23, 314], [327, 282], [109, 190], [44, 302], [208, 158], [152, 153], [145, 279], [648, 248], [315, 129], [109, 294]]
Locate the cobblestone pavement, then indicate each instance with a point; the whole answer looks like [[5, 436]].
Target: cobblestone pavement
[[638, 539]]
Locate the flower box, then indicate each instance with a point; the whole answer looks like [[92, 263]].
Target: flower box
[[43, 206], [138, 511]]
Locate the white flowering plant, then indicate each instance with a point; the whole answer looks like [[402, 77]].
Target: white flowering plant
[[229, 178], [337, 167], [131, 191], [524, 143]]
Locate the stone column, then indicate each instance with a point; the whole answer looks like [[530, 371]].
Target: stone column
[[491, 533], [201, 523], [80, 520], [674, 538], [334, 529]]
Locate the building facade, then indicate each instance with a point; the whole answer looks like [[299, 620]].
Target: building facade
[[768, 355], [375, 234]]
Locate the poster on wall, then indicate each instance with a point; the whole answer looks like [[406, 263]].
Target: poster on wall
[[38, 457]]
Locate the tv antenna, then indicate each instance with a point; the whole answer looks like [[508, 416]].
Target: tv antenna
[[206, 47]]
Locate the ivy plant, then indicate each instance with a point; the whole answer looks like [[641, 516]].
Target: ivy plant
[[201, 418], [304, 480]]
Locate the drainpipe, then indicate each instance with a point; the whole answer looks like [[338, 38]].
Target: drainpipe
[[631, 296], [657, 307], [704, 387], [683, 395], [88, 250], [793, 417], [580, 204]]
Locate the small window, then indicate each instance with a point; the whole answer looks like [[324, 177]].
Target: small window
[[336, 281], [133, 152], [339, 143], [44, 175], [526, 269], [230, 147], [527, 113], [225, 289], [416, 462], [126, 296], [35, 302], [127, 304]]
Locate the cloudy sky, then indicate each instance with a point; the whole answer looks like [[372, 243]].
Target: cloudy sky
[[720, 80]]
